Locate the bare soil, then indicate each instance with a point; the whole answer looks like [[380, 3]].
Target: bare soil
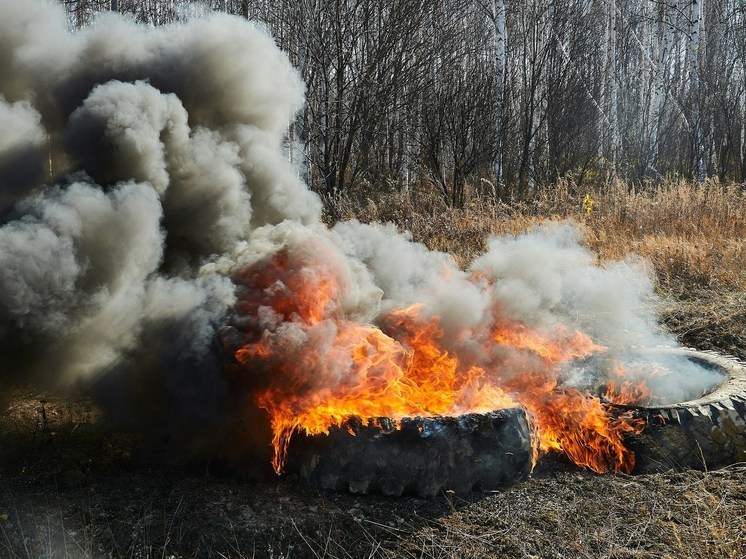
[[73, 487]]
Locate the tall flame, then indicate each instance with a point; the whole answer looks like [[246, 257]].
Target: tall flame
[[323, 369]]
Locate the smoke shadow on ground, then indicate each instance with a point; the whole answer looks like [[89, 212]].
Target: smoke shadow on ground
[[69, 481]]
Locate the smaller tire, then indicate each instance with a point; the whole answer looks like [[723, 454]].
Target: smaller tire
[[704, 433]]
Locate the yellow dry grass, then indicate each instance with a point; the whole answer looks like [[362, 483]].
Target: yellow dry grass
[[693, 234]]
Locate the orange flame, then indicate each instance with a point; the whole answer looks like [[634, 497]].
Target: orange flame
[[324, 369], [622, 391]]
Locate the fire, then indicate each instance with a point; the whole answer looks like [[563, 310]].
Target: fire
[[383, 377], [567, 419], [621, 391], [323, 369]]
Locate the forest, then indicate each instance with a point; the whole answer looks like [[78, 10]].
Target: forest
[[240, 254], [500, 98]]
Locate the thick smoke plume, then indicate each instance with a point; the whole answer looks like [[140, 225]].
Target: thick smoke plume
[[142, 170], [129, 159]]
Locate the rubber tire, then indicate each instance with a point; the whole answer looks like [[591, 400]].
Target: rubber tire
[[705, 433], [424, 457]]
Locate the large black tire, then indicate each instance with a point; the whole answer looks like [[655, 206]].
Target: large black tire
[[705, 433], [423, 457]]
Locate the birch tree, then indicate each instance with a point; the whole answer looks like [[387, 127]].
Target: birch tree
[[668, 30], [612, 108], [698, 151], [300, 137], [496, 14]]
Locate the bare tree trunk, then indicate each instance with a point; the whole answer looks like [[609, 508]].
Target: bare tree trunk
[[300, 126], [537, 41], [699, 166], [603, 117], [613, 98], [500, 63], [743, 137], [646, 73], [406, 139], [743, 121], [669, 29]]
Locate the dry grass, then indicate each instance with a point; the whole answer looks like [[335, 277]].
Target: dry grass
[[693, 234], [69, 488], [581, 515]]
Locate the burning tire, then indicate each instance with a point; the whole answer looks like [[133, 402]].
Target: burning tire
[[703, 433], [422, 456]]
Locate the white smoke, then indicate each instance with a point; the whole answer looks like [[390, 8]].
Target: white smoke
[[141, 169], [546, 276]]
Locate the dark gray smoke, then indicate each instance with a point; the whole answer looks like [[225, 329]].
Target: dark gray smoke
[[140, 168], [131, 160], [21, 144]]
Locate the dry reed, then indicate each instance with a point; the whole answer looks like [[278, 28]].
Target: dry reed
[[694, 235]]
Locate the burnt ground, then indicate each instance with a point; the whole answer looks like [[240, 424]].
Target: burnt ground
[[72, 487]]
